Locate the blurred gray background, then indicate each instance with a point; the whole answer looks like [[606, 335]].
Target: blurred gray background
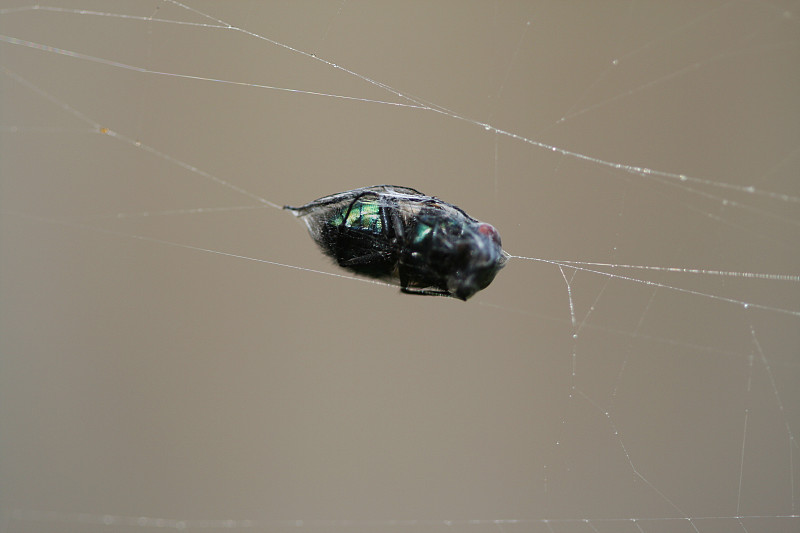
[[145, 377]]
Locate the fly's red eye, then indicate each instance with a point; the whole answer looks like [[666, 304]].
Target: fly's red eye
[[489, 231]]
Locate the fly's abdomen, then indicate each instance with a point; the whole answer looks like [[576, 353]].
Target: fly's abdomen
[[357, 237], [363, 214]]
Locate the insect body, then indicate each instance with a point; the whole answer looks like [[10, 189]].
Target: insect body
[[429, 246]]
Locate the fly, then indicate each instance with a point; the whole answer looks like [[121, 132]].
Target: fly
[[397, 233]]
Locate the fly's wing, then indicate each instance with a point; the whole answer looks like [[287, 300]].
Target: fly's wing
[[332, 199], [325, 210]]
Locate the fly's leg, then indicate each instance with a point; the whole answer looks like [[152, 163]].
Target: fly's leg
[[425, 292], [404, 288]]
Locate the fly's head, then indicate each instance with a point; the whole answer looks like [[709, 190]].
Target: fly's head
[[478, 257]]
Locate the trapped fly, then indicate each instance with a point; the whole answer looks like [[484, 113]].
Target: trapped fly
[[397, 233]]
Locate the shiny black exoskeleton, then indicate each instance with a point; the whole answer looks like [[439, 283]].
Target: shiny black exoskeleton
[[389, 232]]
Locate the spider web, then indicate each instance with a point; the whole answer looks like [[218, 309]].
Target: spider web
[[177, 354]]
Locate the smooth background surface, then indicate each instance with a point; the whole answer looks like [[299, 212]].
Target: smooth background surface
[[142, 379]]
